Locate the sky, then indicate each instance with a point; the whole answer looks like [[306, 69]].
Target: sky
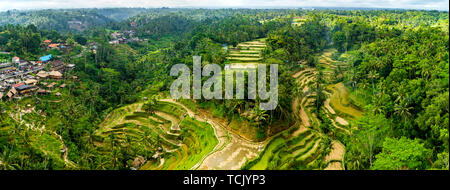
[[53, 4]]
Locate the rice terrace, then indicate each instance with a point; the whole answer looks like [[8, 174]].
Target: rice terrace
[[355, 88]]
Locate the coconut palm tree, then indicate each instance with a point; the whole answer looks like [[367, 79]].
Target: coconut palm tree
[[373, 75], [149, 106], [259, 116], [379, 107], [401, 109]]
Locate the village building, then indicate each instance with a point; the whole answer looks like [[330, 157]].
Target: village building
[[2, 87], [70, 66], [57, 65], [42, 74], [16, 60], [11, 93], [6, 65], [17, 85], [25, 89], [115, 35], [114, 42], [10, 81], [46, 58], [43, 92], [23, 65], [51, 85], [123, 40], [7, 70], [53, 46], [31, 82], [55, 75]]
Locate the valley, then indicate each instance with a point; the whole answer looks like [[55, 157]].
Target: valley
[[355, 89]]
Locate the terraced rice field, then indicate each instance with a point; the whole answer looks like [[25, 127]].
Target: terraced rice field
[[300, 147], [338, 108], [340, 101], [231, 152], [180, 142], [303, 148], [291, 152], [246, 54], [334, 159]]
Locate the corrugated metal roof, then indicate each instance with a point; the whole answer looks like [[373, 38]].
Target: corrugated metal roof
[[46, 58]]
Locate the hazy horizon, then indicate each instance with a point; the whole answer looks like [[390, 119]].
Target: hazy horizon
[[441, 5]]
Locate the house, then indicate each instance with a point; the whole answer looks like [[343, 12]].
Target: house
[[57, 65], [58, 94], [6, 65], [45, 58], [31, 82], [11, 92], [16, 60], [10, 81], [51, 85], [55, 75], [123, 40], [53, 46], [114, 42], [23, 65], [62, 86], [25, 89], [18, 85], [133, 24], [115, 35], [47, 41], [42, 74], [70, 66], [43, 92]]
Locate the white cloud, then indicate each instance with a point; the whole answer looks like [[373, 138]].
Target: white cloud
[[48, 4]]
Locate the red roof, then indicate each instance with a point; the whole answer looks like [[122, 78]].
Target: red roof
[[17, 85], [47, 41], [53, 45]]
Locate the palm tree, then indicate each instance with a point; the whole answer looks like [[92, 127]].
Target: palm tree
[[149, 106], [402, 109], [373, 75], [379, 107], [319, 90], [353, 79], [259, 115]]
